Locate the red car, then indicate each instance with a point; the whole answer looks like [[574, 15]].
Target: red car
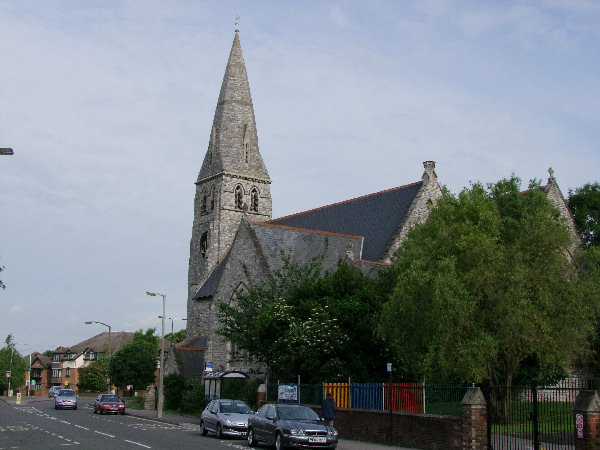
[[109, 403]]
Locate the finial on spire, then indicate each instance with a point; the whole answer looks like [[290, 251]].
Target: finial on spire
[[551, 172], [237, 23]]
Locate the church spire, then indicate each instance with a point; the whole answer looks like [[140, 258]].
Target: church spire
[[233, 145]]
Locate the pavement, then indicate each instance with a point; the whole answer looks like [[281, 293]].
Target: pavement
[[192, 422]]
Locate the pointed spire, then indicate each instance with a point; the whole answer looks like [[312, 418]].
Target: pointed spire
[[233, 145]]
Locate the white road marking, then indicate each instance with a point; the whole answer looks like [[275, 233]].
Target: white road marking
[[136, 443], [82, 427], [104, 434]]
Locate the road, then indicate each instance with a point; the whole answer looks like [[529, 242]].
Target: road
[[39, 425]]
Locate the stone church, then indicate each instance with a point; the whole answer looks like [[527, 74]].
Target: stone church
[[233, 225]]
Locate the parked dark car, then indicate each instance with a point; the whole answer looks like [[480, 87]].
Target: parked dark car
[[225, 418], [66, 398], [109, 403], [288, 425]]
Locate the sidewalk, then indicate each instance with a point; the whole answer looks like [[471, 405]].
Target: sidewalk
[[192, 423]]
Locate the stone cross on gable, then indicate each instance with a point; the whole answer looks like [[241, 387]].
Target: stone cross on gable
[[551, 172]]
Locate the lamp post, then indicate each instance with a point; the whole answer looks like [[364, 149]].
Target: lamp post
[[89, 322], [161, 371], [172, 319], [6, 151]]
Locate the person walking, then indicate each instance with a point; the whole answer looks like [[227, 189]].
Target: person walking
[[328, 409]]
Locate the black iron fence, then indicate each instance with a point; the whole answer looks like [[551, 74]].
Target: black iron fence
[[533, 417]]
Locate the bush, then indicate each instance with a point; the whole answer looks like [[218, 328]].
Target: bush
[[240, 389], [174, 385], [192, 400]]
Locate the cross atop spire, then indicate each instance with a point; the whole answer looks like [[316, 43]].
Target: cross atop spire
[[237, 23]]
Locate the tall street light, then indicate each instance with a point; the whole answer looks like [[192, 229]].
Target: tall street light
[[89, 322], [172, 319], [161, 371], [6, 151]]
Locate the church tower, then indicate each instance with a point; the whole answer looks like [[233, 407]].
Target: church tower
[[233, 181]]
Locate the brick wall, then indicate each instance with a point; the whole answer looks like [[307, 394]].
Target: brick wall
[[409, 429]]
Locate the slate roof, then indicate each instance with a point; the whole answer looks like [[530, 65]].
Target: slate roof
[[96, 343], [208, 287], [376, 217]]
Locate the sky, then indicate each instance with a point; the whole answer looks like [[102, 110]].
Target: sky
[[108, 106]]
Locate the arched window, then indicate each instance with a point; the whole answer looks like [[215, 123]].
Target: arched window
[[239, 197], [204, 244], [203, 204], [245, 144], [212, 144], [212, 199], [254, 200]]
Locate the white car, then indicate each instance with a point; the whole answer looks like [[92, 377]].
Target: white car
[[53, 391]]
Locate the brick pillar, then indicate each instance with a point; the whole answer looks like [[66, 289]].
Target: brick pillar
[[474, 420], [150, 402], [261, 395], [586, 414]]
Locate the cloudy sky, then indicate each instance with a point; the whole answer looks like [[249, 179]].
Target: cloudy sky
[[108, 106]]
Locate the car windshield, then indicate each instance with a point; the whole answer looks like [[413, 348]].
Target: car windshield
[[64, 393], [235, 407], [296, 413], [110, 398]]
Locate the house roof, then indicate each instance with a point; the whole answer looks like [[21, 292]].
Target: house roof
[[376, 217], [97, 343]]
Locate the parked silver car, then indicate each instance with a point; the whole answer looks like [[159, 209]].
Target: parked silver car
[[66, 398], [225, 418]]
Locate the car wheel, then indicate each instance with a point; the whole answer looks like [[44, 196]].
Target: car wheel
[[203, 430], [278, 442], [252, 442], [75, 407], [55, 407], [219, 431]]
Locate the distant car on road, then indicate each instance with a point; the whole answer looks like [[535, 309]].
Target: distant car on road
[[53, 391], [66, 398], [109, 403], [225, 418], [288, 425]]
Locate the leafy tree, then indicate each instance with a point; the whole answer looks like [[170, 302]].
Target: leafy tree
[[302, 322], [11, 360], [178, 336], [584, 204], [484, 285], [48, 353], [93, 377], [135, 362]]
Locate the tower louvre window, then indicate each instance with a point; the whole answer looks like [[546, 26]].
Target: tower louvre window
[[204, 244], [239, 197], [245, 145], [254, 200], [203, 204]]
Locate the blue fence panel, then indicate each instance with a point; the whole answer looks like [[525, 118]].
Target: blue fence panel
[[366, 395]]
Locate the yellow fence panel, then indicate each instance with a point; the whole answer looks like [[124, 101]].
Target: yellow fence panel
[[340, 393]]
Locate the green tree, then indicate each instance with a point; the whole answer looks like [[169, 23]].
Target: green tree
[[93, 377], [11, 360], [177, 337], [135, 362], [584, 204], [484, 285], [303, 322]]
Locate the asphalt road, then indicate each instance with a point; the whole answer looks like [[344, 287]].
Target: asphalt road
[[39, 425]]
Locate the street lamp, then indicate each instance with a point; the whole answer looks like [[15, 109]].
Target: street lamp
[[89, 322], [6, 151], [172, 319], [161, 371]]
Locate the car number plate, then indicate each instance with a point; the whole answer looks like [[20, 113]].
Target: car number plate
[[317, 440]]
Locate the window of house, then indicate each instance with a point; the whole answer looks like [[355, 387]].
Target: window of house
[[239, 197], [92, 355], [56, 357], [38, 387], [55, 373], [254, 200], [67, 372], [204, 244], [36, 372]]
